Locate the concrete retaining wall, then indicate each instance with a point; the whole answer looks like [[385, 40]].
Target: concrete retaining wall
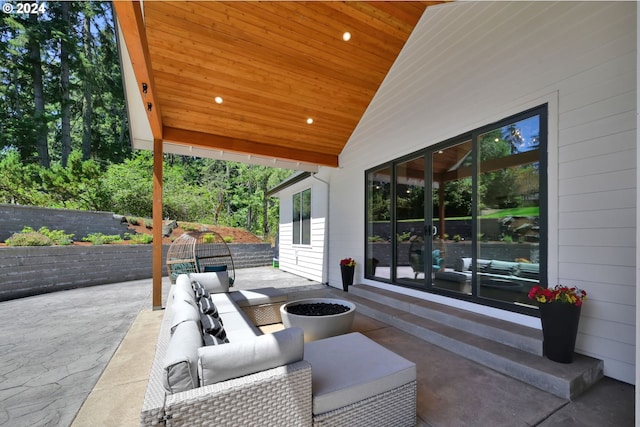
[[13, 218], [26, 271]]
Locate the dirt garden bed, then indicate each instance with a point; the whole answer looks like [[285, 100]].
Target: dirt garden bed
[[237, 235]]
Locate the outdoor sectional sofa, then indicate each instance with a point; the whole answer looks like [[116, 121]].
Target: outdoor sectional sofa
[[495, 276], [219, 369]]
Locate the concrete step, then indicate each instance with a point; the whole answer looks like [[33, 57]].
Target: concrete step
[[511, 349]]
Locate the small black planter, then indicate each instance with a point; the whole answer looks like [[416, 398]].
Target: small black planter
[[347, 276], [559, 330]]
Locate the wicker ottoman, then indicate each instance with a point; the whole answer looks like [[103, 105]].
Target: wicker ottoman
[[357, 382], [262, 306]]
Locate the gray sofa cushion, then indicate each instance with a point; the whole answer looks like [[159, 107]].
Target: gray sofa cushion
[[529, 271], [223, 303], [181, 359], [245, 298], [213, 282], [238, 326], [183, 312], [463, 264], [237, 359], [453, 276], [209, 339], [182, 291], [483, 265], [504, 268]]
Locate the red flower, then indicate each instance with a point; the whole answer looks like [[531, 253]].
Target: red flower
[[560, 293], [348, 262]]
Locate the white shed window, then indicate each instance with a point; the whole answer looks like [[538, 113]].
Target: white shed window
[[302, 218]]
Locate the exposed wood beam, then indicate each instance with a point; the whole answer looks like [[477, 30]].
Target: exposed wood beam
[[493, 165], [218, 142], [135, 36]]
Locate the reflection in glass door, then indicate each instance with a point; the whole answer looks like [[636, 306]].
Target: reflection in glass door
[[452, 218], [508, 220], [466, 217], [409, 224]]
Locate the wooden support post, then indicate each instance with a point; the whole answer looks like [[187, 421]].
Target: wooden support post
[[157, 224]]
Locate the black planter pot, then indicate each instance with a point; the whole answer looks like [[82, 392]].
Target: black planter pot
[[559, 330], [347, 276]]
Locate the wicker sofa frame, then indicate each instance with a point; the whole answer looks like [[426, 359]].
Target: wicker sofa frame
[[279, 396]]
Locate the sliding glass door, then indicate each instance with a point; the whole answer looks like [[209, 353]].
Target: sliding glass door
[[452, 201], [411, 262], [465, 217]]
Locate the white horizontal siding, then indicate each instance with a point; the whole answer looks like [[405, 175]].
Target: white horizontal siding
[[468, 64], [303, 260]]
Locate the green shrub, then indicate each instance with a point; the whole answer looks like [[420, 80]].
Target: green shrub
[[208, 238], [139, 239], [134, 221], [404, 237], [32, 238], [148, 223], [57, 236], [188, 226], [101, 239], [228, 239]]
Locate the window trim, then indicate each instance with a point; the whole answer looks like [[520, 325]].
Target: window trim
[[301, 242]]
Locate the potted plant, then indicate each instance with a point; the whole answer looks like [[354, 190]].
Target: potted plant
[[560, 314], [347, 268]]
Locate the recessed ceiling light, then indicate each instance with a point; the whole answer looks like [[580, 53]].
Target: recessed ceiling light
[[309, 121], [346, 36], [218, 100]]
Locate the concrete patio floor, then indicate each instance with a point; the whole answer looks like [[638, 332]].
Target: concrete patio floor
[[81, 358]]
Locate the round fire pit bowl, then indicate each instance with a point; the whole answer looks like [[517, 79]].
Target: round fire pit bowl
[[319, 317]]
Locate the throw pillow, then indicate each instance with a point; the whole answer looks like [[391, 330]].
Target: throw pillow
[[201, 293], [213, 326], [214, 268], [208, 307], [213, 340], [195, 285]]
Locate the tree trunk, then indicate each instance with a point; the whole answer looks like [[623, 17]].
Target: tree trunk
[[123, 121], [38, 94], [87, 107], [64, 85], [226, 185]]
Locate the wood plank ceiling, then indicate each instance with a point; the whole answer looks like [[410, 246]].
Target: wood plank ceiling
[[275, 65]]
